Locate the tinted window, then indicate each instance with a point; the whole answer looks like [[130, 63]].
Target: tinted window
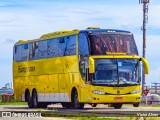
[[33, 50], [70, 45], [102, 44], [24, 54], [42, 49], [17, 53], [83, 44], [56, 47]]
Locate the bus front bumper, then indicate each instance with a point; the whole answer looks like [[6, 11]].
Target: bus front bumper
[[132, 98]]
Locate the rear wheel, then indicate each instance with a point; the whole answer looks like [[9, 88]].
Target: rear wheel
[[136, 104], [117, 105], [34, 98], [37, 104], [29, 101], [75, 101]]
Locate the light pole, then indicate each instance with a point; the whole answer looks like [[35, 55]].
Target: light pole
[[145, 20]]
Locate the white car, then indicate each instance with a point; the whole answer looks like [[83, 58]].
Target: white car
[[151, 99]]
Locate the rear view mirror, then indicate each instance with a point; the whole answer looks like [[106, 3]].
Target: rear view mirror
[[91, 65], [146, 65]]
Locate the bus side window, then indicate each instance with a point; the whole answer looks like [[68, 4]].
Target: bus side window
[[83, 45], [24, 54], [17, 53], [33, 51], [61, 46], [55, 47], [42, 49], [70, 45]]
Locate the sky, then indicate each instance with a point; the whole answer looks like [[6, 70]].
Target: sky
[[29, 19]]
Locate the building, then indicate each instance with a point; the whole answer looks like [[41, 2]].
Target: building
[[7, 89]]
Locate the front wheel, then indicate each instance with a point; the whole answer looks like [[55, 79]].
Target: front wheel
[[75, 101], [136, 104], [117, 105]]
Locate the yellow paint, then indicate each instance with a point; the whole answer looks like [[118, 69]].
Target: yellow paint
[[146, 65], [117, 57], [91, 65]]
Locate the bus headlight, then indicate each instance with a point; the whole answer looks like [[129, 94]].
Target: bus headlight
[[98, 92], [135, 92]]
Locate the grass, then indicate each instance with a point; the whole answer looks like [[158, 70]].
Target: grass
[[13, 103]]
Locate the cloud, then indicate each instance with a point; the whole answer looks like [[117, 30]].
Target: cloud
[[10, 40]]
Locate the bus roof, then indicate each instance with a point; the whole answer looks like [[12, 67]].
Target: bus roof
[[70, 32], [104, 30]]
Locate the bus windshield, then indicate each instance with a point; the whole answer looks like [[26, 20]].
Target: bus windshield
[[101, 43], [117, 72]]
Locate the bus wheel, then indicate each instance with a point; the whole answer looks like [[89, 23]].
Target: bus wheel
[[94, 104], [66, 105], [35, 100], [136, 104], [29, 101], [75, 101], [117, 105]]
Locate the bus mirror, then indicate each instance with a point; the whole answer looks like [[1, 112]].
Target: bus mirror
[[91, 65], [146, 65]]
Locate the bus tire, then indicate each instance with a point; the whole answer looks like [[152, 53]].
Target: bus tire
[[117, 105], [66, 105], [37, 104], [29, 100], [34, 99], [136, 104], [75, 102]]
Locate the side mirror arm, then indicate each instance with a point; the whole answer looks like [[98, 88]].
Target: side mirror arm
[[145, 65]]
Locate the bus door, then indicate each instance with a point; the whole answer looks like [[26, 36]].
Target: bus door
[[85, 84]]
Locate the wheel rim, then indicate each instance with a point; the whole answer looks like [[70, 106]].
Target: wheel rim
[[76, 103]]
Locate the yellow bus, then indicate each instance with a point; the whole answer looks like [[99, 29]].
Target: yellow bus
[[77, 67]]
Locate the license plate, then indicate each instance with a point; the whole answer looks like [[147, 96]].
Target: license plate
[[118, 98]]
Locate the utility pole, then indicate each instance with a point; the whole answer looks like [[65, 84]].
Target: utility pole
[[155, 86], [145, 20]]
